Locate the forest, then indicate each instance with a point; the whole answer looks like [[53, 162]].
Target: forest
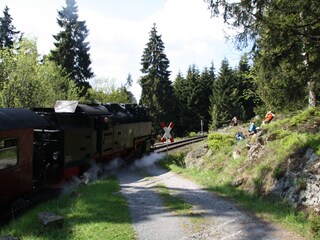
[[279, 73]]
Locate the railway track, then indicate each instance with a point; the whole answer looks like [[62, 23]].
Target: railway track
[[163, 147]]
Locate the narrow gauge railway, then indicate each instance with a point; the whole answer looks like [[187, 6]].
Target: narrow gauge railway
[[163, 147], [41, 148]]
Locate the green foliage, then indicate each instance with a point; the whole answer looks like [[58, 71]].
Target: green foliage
[[8, 35], [171, 201], [314, 142], [283, 87], [72, 50], [94, 211], [247, 89], [193, 134], [176, 159], [284, 37], [217, 141], [304, 116], [258, 184], [225, 98], [27, 83], [104, 91], [157, 91], [193, 94], [278, 172], [315, 225]]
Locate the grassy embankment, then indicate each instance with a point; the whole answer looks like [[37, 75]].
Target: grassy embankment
[[220, 170], [93, 211]]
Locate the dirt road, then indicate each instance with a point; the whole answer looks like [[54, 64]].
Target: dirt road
[[210, 217]]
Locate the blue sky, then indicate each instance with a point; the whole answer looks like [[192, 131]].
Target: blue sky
[[119, 31]]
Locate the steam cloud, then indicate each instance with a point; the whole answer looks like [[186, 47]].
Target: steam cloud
[[148, 160], [98, 170]]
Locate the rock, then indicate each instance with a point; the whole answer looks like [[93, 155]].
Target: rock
[[237, 182], [209, 153], [255, 152], [260, 140], [236, 154], [51, 219], [194, 159], [271, 137]]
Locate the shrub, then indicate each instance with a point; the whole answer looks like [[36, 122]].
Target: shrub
[[192, 134], [217, 141], [315, 225]]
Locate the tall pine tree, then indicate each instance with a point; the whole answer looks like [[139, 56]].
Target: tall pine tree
[[72, 50], [207, 79], [225, 99], [247, 88], [180, 90], [157, 90], [8, 35], [285, 32], [193, 95]]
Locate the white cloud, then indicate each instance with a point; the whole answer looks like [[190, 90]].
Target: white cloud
[[119, 31]]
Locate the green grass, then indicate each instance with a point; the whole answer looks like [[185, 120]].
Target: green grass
[[180, 207], [173, 202], [97, 211]]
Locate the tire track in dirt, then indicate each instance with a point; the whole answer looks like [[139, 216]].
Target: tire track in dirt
[[210, 218]]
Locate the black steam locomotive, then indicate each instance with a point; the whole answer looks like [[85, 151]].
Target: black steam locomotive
[[42, 147]]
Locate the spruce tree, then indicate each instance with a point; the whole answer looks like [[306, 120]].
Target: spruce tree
[[247, 88], [225, 99], [285, 34], [194, 94], [8, 35], [180, 90], [207, 79], [193, 98], [157, 90], [72, 49]]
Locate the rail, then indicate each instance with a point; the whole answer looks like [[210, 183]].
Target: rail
[[162, 147]]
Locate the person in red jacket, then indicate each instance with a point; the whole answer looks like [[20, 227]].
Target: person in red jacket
[[269, 116]]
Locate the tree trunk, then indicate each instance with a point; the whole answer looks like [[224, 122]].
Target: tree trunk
[[312, 84]]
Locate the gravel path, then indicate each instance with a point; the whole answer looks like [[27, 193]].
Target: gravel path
[[210, 218]]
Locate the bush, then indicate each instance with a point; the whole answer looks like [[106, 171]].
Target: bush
[[192, 134], [217, 141], [315, 225]]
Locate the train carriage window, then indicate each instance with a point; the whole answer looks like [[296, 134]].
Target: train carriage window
[[8, 152]]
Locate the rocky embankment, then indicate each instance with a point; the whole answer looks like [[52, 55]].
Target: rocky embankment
[[297, 179]]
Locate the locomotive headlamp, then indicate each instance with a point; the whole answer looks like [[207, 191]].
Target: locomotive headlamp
[[55, 155]]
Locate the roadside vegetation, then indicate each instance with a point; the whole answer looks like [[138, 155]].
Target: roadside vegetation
[[221, 172], [87, 215], [173, 202]]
